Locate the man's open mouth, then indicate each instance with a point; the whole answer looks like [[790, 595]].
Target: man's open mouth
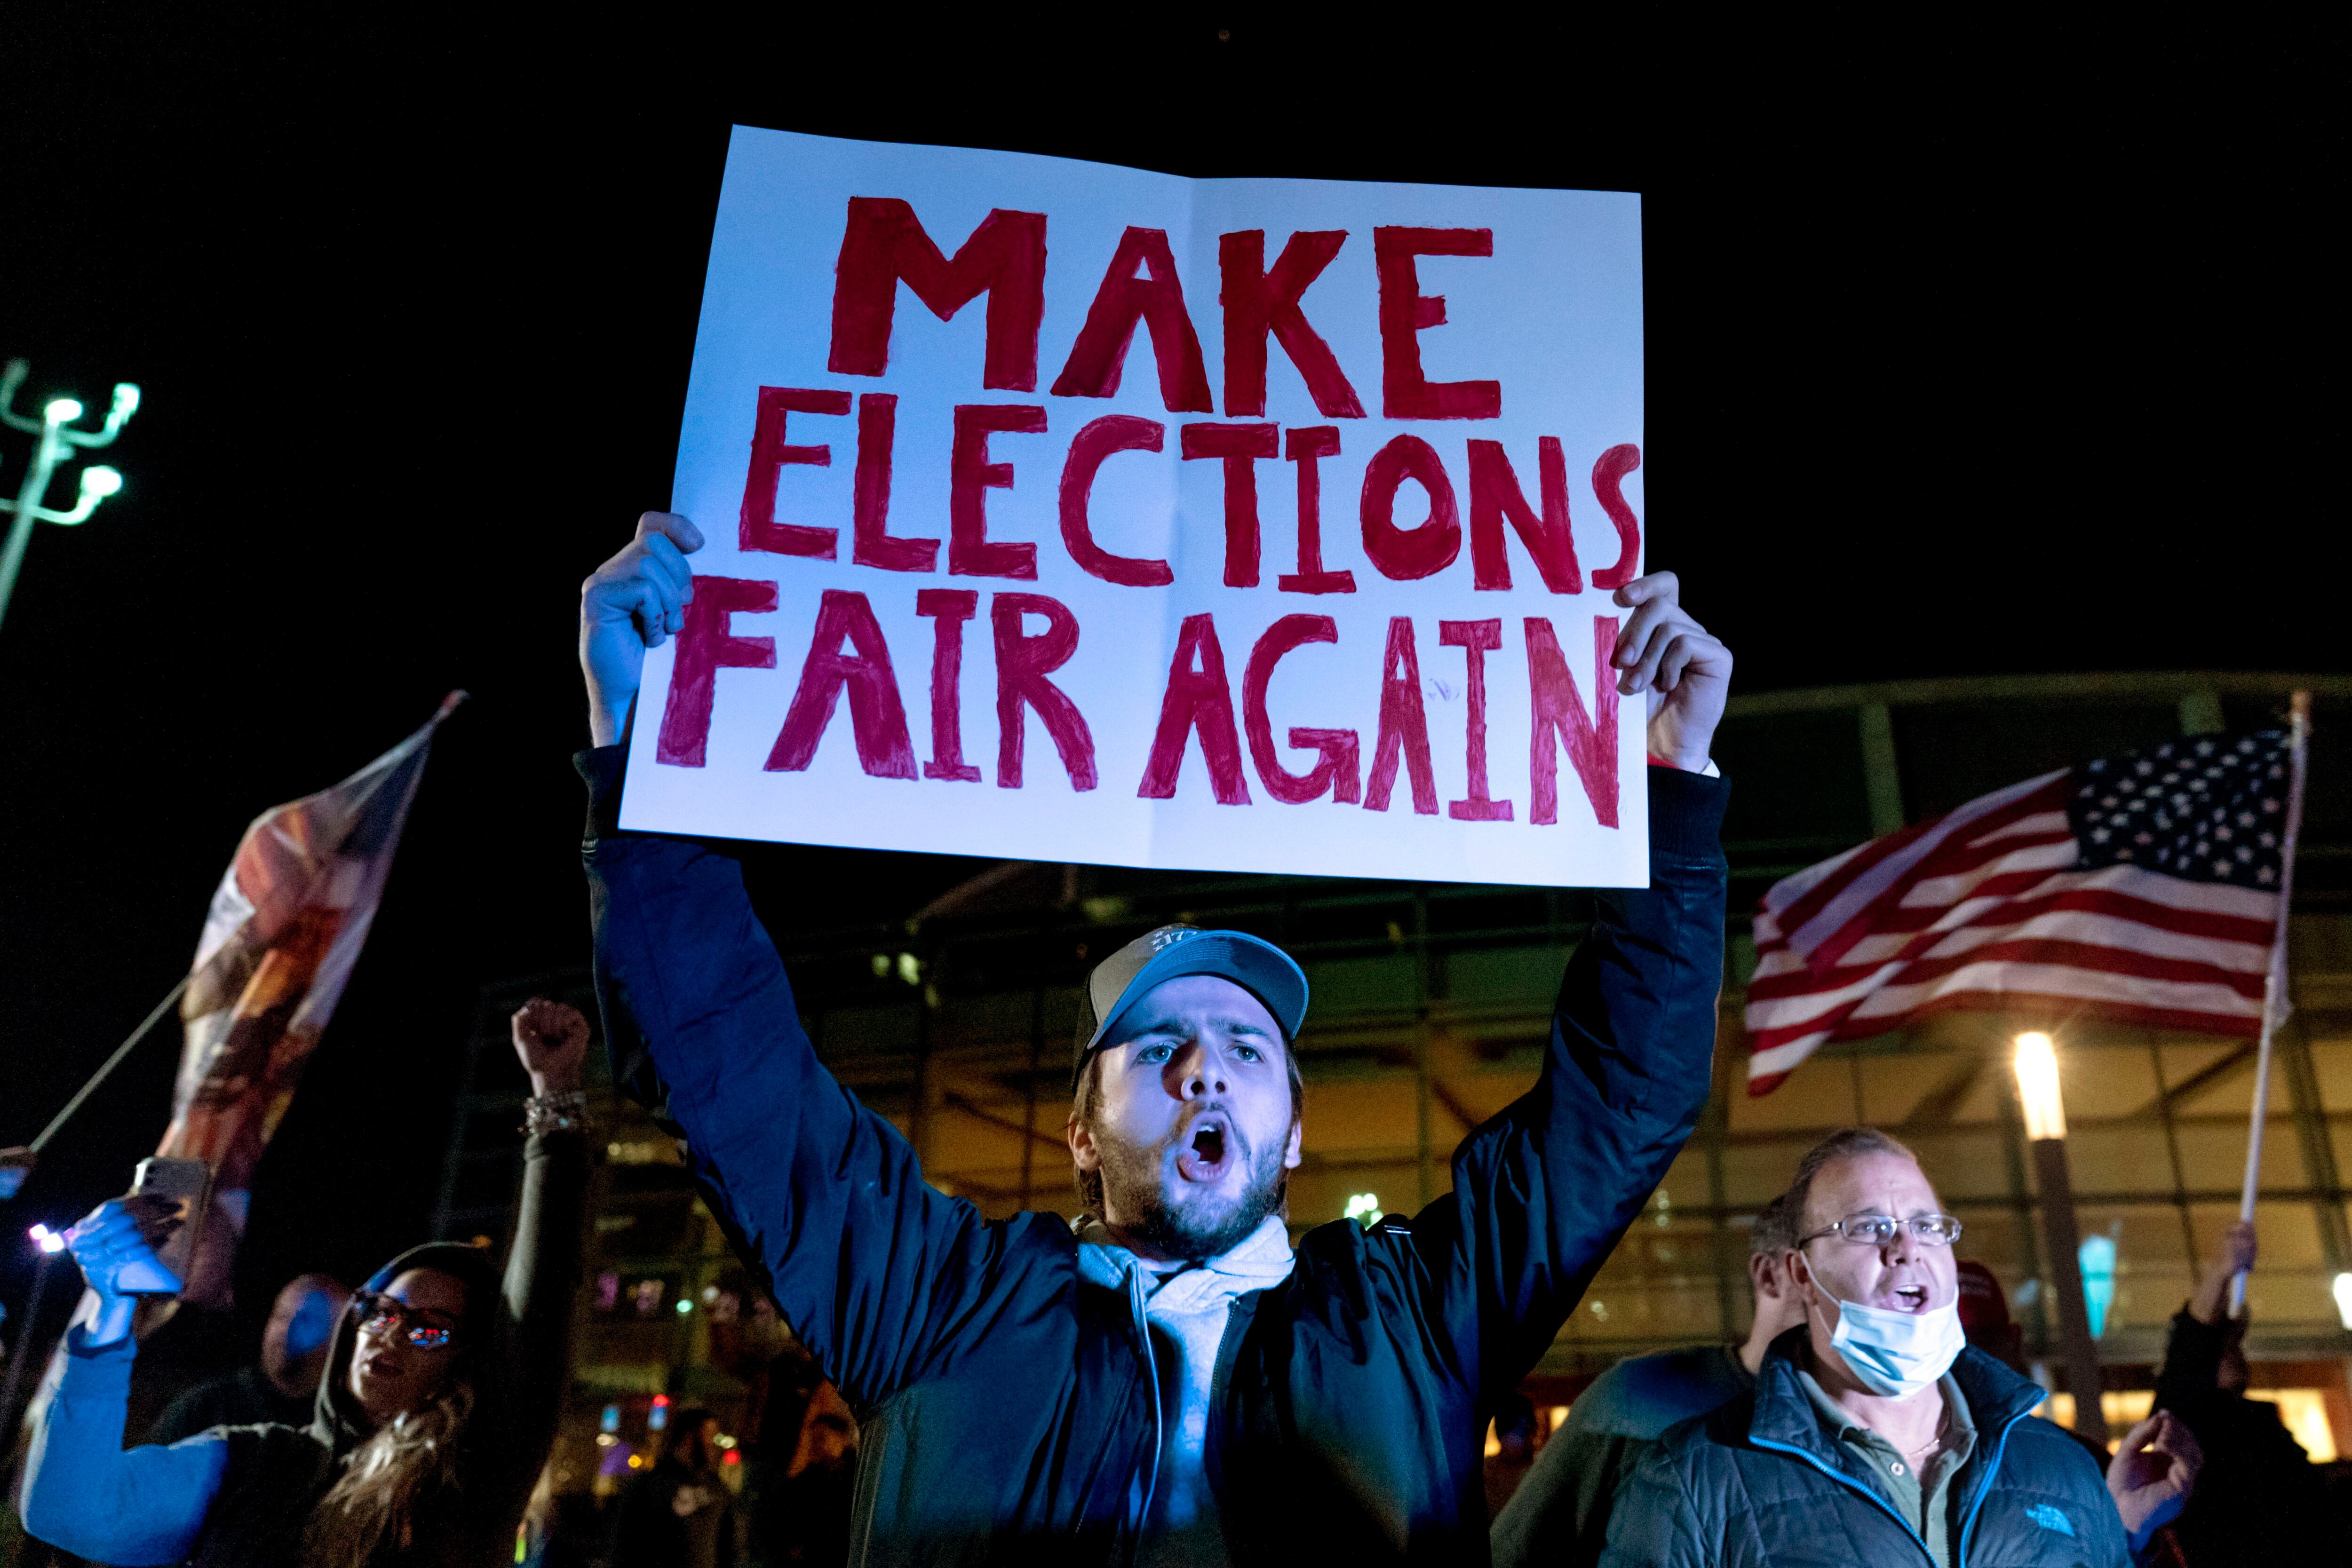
[[1204, 1156], [1908, 1299]]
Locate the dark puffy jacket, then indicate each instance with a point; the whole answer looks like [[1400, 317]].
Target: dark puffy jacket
[[1759, 1482], [1008, 1408]]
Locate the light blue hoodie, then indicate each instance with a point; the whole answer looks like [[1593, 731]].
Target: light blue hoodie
[[1186, 1307]]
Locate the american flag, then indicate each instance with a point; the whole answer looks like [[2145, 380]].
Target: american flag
[[2141, 887]]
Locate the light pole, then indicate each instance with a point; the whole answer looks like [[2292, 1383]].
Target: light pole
[[2045, 1126], [57, 440], [48, 1244]]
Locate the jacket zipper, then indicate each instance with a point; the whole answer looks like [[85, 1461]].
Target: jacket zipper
[[1992, 1473], [1220, 1375], [1151, 1376], [1968, 1527], [1871, 1492]]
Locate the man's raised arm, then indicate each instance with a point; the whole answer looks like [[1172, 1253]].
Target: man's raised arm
[[869, 1264], [1542, 1192]]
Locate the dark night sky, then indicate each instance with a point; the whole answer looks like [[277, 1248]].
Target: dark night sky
[[1971, 353]]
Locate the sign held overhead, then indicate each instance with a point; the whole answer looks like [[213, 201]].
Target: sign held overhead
[[1301, 561]]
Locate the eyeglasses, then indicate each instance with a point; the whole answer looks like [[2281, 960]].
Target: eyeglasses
[[386, 1315], [1878, 1229]]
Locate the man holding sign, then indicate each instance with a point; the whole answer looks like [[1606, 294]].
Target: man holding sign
[[1168, 1382]]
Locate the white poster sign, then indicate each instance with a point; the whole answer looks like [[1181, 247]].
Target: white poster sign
[[1064, 512]]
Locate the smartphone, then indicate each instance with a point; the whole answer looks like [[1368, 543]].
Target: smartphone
[[188, 1184]]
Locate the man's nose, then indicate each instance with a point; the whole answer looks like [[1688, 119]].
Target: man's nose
[[1198, 1071]]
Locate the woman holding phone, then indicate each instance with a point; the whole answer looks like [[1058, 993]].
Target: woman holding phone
[[435, 1414]]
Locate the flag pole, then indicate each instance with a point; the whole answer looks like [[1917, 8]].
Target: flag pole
[[2275, 1002], [101, 1076]]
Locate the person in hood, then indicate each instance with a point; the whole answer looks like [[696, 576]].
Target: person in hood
[[1170, 1382], [283, 1386], [1876, 1433], [436, 1410]]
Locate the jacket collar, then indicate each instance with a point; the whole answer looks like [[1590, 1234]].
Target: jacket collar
[[1783, 1414]]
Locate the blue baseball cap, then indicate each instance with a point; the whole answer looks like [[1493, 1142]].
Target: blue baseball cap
[[1121, 980]]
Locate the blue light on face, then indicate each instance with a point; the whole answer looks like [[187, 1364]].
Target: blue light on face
[[611, 1420], [312, 1323], [2098, 1260]]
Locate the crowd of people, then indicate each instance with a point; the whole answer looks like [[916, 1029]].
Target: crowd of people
[[1173, 1380]]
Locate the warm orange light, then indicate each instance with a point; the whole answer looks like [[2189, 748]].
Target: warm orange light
[[2037, 1086]]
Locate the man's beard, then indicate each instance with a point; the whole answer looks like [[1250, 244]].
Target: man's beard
[[1134, 1187]]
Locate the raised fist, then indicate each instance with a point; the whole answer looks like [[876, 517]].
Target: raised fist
[[552, 1039]]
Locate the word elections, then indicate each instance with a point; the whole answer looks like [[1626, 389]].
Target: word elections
[[884, 246], [848, 655]]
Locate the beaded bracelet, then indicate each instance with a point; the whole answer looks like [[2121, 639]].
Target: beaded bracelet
[[564, 1112]]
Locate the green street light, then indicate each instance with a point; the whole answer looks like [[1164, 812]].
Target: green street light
[[58, 440]]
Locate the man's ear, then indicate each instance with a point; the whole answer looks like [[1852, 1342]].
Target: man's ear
[[1085, 1156], [1290, 1150]]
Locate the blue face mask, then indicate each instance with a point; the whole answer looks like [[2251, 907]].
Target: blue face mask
[[1896, 1354]]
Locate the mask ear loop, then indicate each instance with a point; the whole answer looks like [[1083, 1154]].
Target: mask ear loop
[[1813, 1309]]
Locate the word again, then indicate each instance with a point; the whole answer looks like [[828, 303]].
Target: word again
[[850, 657]]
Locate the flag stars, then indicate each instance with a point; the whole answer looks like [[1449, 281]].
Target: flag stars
[[2207, 813]]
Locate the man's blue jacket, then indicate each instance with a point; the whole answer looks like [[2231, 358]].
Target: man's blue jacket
[[1758, 1484], [1009, 1407]]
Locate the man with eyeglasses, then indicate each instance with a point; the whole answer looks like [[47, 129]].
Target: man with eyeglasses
[[1875, 1434]]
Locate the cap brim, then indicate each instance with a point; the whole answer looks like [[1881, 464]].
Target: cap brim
[[1258, 966]]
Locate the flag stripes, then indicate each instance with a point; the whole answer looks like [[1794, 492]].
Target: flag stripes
[[2001, 904]]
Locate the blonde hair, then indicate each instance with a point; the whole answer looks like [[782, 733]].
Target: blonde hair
[[390, 1483]]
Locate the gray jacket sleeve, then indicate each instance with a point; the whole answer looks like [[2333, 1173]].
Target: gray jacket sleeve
[[1559, 1516], [1656, 1522]]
